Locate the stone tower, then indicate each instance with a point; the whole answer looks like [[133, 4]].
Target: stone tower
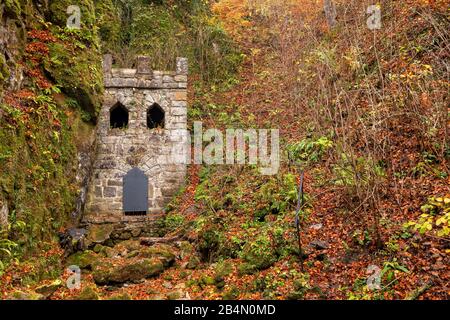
[[140, 141]]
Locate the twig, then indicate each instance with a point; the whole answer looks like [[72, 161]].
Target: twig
[[300, 201], [437, 238], [418, 292]]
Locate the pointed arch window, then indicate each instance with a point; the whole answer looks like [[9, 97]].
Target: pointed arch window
[[118, 117], [155, 117]]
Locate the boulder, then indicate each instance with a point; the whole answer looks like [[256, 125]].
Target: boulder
[[132, 271], [99, 233], [121, 296], [193, 262], [176, 295], [48, 289], [88, 293], [98, 248], [110, 252], [161, 251], [84, 260], [73, 240], [28, 295], [186, 249], [128, 246], [318, 245], [105, 251], [258, 255], [136, 232]]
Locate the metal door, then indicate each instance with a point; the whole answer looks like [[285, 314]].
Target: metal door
[[135, 192]]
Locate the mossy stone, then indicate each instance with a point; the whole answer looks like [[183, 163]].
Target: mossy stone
[[88, 293], [132, 271], [175, 295], [121, 296], [84, 260], [209, 281], [163, 252], [259, 254], [98, 248], [99, 233], [29, 295], [48, 289], [193, 262]]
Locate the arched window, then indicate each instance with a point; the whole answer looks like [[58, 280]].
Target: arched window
[[155, 117], [118, 117]]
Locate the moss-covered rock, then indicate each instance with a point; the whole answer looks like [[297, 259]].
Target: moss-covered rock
[[28, 295], [163, 252], [58, 12], [88, 293], [83, 81], [84, 260], [99, 233], [48, 289], [221, 271], [98, 248], [128, 246], [231, 294], [4, 70], [131, 271], [193, 262], [175, 295], [186, 249], [260, 253], [208, 281], [121, 296]]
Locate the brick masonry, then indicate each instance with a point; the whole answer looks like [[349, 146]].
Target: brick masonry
[[154, 151]]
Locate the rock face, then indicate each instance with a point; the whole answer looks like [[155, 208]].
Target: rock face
[[142, 95], [4, 212], [11, 39]]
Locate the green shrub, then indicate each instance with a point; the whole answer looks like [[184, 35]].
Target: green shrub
[[435, 217], [258, 254], [277, 196], [359, 171], [170, 223], [308, 150]]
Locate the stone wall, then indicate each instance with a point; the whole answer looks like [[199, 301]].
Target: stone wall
[[157, 152]]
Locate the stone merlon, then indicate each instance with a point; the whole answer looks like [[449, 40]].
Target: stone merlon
[[144, 77]]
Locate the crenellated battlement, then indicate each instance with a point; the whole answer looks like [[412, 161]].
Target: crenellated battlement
[[143, 77]]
